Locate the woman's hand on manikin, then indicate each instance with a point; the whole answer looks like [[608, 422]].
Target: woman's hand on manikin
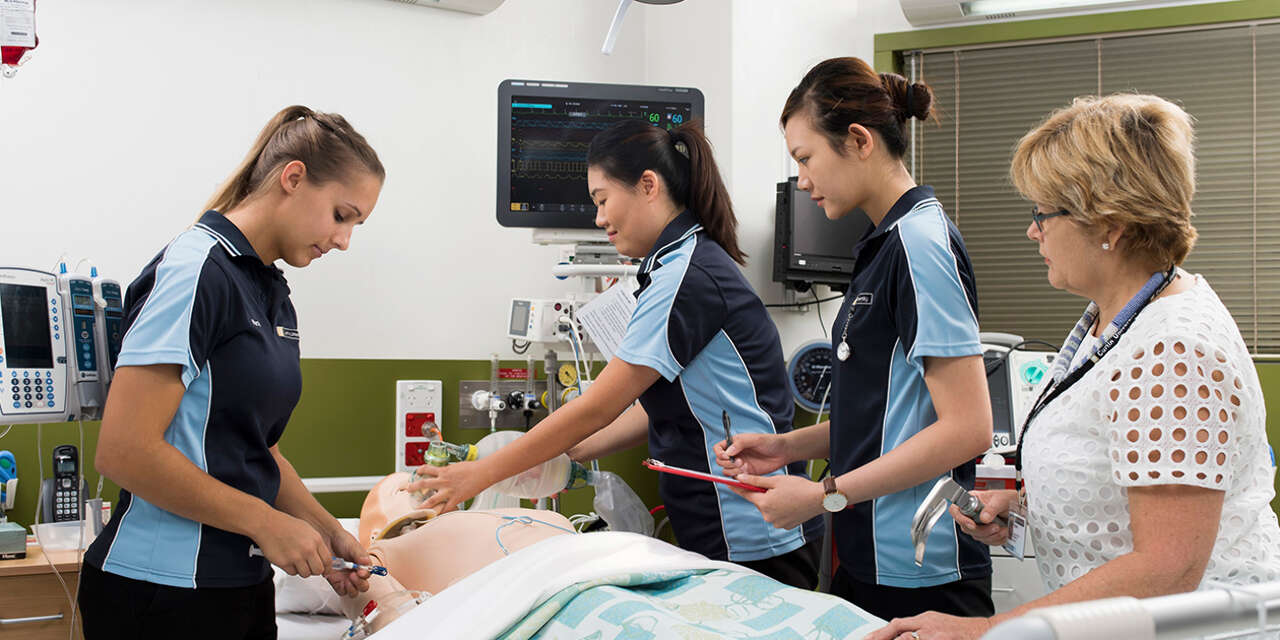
[[453, 484]]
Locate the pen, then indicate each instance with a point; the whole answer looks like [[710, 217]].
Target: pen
[[728, 435]]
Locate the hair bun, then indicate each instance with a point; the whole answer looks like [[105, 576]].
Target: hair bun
[[918, 101]]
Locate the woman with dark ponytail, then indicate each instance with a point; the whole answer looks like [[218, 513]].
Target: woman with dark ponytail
[[207, 377], [909, 394], [700, 354]]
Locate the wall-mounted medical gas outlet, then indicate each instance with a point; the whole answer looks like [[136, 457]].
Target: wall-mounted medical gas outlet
[[33, 348], [510, 417], [82, 351], [419, 406], [109, 322]]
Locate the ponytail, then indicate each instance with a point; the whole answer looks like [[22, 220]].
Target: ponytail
[[684, 159], [325, 142]]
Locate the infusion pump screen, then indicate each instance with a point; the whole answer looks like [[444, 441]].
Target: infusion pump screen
[[26, 327], [549, 139]]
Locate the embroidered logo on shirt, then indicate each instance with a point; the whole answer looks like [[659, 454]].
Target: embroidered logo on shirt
[[255, 322], [863, 298], [287, 333]]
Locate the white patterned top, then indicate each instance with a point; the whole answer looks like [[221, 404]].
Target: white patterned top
[[1176, 401]]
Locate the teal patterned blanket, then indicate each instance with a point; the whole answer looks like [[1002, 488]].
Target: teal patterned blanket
[[710, 604], [624, 586]]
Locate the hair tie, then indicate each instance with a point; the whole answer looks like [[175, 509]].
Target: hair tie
[[682, 149], [907, 107]]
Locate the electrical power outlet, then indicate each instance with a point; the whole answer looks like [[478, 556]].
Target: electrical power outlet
[[419, 413]]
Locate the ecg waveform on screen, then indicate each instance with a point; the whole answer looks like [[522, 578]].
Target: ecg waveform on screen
[[548, 159], [549, 142]]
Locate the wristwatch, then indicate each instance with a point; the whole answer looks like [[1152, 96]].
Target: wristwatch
[[832, 500]]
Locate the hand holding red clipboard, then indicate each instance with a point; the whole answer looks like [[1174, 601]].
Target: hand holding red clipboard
[[657, 465]]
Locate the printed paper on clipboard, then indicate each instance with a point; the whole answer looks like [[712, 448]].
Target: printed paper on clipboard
[[657, 465]]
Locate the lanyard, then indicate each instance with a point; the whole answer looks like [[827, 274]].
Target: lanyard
[[1117, 328]]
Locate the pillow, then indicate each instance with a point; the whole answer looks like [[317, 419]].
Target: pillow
[[309, 595]]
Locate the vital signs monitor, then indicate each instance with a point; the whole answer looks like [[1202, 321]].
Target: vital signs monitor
[[544, 129]]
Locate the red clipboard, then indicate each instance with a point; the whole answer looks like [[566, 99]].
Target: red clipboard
[[657, 465]]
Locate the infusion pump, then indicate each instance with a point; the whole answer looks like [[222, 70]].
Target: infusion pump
[[50, 367], [33, 348]]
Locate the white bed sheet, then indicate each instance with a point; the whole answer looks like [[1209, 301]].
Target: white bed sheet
[[316, 626], [487, 602]]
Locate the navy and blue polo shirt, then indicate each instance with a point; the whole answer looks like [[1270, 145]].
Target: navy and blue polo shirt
[[699, 324], [912, 295], [209, 304]]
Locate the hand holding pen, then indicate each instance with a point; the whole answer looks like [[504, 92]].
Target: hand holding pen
[[728, 434]]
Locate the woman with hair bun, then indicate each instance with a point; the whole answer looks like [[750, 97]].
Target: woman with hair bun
[[1145, 459], [908, 388]]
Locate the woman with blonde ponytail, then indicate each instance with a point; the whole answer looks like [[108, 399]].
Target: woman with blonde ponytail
[[207, 377]]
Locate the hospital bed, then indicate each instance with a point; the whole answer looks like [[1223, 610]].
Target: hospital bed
[[572, 586], [618, 584]]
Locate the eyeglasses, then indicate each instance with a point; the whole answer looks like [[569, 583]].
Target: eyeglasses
[[1039, 218]]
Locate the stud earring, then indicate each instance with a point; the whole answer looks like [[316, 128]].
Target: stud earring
[[1106, 246]]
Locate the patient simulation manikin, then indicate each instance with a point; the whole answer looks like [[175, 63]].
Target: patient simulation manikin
[[424, 552]]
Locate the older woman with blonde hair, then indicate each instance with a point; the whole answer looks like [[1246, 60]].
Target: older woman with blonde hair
[[1145, 459]]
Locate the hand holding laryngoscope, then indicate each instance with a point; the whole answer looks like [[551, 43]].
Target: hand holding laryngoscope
[[996, 532]]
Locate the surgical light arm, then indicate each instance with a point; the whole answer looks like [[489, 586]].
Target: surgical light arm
[[946, 491]]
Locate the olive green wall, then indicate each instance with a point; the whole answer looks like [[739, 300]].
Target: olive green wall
[[343, 426], [1269, 376]]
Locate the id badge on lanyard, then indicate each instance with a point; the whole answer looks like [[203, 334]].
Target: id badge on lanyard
[[1016, 544]]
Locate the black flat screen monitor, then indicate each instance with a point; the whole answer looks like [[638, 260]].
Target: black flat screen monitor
[[809, 248], [25, 316], [544, 129]]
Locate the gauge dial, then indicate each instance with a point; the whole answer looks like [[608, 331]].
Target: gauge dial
[[567, 375], [809, 375]]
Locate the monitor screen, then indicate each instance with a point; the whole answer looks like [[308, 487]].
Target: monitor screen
[[814, 236], [809, 247], [519, 317], [25, 318], [544, 129]]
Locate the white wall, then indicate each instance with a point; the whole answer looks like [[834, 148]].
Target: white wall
[[131, 114], [774, 44]]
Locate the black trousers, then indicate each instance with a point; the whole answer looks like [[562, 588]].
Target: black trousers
[[797, 568], [113, 606], [962, 598]]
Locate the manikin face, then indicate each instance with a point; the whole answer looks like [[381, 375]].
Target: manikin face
[[628, 213], [832, 180], [317, 218], [386, 501]]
